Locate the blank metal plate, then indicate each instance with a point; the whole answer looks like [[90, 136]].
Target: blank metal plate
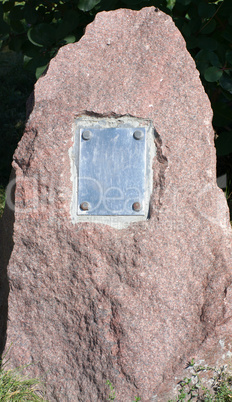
[[111, 171]]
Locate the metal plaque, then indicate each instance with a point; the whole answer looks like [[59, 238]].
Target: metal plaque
[[111, 171]]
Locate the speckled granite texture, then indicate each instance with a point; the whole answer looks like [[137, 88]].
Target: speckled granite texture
[[90, 303]]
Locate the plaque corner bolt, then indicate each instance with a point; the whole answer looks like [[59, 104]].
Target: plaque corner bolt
[[84, 206], [136, 206], [138, 135], [86, 135]]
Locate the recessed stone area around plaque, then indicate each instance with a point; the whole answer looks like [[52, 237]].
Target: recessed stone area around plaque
[[112, 169]]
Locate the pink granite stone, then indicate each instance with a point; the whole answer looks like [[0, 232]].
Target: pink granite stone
[[89, 303]]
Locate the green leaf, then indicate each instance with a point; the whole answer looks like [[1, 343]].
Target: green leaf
[[39, 61], [26, 60], [17, 13], [195, 25], [70, 39], [222, 114], [16, 43], [191, 42], [132, 3], [212, 74], [4, 27], [17, 26], [8, 5], [30, 50], [171, 4], [229, 56], [226, 8], [31, 39], [68, 24], [227, 34], [107, 5], [185, 30], [206, 10], [221, 51], [87, 5], [202, 61], [184, 2], [30, 14], [41, 10], [207, 43], [224, 143], [40, 70], [214, 60], [207, 56], [209, 27], [72, 17], [42, 35], [226, 83]]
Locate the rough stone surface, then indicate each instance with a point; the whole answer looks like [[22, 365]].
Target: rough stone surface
[[90, 303]]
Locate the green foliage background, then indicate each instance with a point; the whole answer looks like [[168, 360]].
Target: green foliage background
[[36, 29]]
